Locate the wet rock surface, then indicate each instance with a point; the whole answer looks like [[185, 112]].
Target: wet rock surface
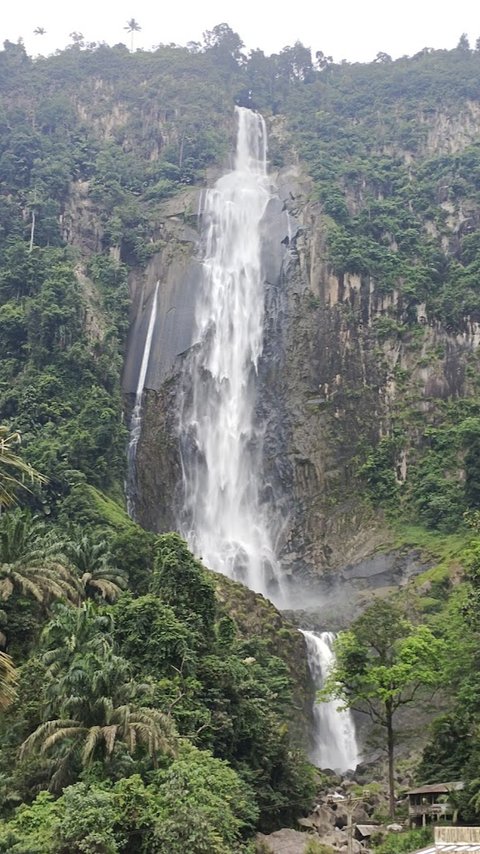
[[325, 387]]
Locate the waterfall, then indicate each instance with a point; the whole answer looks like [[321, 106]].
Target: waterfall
[[136, 418], [334, 739], [224, 519]]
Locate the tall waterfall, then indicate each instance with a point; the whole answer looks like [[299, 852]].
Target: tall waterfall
[[334, 739], [224, 518], [136, 417], [225, 521]]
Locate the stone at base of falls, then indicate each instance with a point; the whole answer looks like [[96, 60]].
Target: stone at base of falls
[[285, 841], [288, 841]]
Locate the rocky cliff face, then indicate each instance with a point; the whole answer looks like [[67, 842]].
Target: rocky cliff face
[[334, 375]]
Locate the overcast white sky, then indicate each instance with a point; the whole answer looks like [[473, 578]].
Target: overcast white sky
[[355, 30]]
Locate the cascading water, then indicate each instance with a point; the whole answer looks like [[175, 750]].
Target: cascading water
[[225, 521], [136, 418], [334, 739]]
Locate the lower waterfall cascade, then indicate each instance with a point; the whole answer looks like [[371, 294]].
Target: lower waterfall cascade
[[223, 518], [334, 737]]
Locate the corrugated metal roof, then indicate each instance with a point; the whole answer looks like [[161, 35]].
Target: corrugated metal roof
[[457, 848], [451, 848], [367, 829]]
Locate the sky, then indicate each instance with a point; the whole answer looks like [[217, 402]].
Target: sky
[[355, 30]]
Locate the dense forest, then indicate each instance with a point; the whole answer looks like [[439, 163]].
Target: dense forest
[[137, 711]]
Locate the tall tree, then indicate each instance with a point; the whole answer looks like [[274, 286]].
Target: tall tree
[[8, 681], [383, 663], [30, 562], [95, 714], [98, 578], [15, 473], [132, 27]]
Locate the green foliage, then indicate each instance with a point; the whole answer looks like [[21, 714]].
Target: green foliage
[[404, 843], [199, 805], [182, 583], [150, 635], [315, 847], [82, 201], [379, 470], [384, 662]]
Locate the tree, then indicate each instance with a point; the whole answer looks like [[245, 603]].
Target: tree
[[8, 681], [132, 27], [463, 43], [295, 62], [383, 662], [207, 805], [98, 578], [182, 582], [74, 631], [31, 564], [96, 715], [13, 470], [226, 43], [78, 39], [134, 726], [322, 61]]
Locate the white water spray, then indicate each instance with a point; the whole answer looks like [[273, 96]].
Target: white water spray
[[334, 738], [136, 418], [225, 520]]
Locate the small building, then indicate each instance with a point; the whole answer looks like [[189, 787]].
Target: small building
[[431, 803]]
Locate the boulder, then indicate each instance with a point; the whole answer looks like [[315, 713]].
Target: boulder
[[394, 828], [285, 841], [357, 848]]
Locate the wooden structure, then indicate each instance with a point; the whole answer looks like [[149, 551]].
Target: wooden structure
[[431, 803]]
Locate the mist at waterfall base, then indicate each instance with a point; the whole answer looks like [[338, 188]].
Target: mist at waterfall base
[[224, 519], [334, 738]]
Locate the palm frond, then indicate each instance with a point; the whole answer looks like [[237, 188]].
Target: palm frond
[[15, 473], [8, 681], [71, 729], [110, 735], [94, 736]]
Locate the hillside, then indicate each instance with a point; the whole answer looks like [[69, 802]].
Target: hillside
[[368, 390]]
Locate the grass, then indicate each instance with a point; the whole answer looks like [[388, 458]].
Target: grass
[[108, 509], [432, 544]]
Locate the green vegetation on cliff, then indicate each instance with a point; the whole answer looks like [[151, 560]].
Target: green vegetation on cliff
[[156, 715]]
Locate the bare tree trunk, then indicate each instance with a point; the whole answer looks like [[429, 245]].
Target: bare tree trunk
[[390, 750], [32, 231]]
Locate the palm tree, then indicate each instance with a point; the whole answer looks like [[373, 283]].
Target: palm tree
[[135, 727], [96, 716], [8, 680], [30, 562], [98, 578], [74, 631], [14, 471], [132, 27]]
